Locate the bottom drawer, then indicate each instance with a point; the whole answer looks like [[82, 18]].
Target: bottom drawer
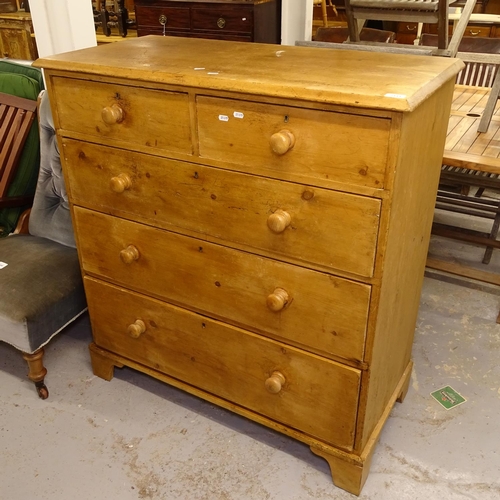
[[303, 391]]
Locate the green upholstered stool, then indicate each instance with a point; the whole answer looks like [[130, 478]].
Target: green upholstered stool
[[41, 288]]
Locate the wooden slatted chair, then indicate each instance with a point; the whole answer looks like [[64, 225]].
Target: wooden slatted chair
[[419, 11], [481, 70], [16, 116], [324, 13]]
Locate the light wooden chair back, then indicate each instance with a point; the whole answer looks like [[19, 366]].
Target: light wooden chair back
[[419, 11], [482, 70]]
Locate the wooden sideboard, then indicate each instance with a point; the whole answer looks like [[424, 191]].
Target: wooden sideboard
[[16, 40], [253, 223], [250, 20]]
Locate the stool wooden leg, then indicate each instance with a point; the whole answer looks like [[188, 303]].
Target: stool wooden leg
[[37, 371]]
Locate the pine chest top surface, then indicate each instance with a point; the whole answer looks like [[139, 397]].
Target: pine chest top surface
[[344, 77]]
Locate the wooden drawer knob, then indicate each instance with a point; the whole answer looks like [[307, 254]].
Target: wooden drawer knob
[[136, 329], [275, 382], [112, 114], [278, 300], [120, 183], [279, 221], [282, 141], [129, 254]]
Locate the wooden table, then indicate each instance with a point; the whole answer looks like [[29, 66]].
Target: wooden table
[[467, 148]]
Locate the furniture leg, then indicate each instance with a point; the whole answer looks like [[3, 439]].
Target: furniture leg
[[493, 236], [102, 366], [404, 389], [348, 475], [37, 372]]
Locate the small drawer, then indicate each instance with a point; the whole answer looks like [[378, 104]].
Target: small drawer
[[219, 18], [172, 18], [289, 220], [478, 30], [310, 309], [283, 383], [133, 116], [470, 30], [406, 28], [311, 145]]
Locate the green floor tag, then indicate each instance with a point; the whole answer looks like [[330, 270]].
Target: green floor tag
[[448, 398]]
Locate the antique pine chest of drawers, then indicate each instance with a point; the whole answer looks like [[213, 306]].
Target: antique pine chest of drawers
[[252, 223], [236, 20]]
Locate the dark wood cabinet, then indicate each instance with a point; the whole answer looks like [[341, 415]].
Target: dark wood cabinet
[[251, 21], [16, 40]]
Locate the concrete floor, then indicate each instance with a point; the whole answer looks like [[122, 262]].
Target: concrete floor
[[136, 438]]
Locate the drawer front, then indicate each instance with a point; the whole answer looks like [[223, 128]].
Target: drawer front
[[407, 28], [172, 18], [286, 219], [470, 30], [301, 306], [134, 116], [315, 395], [234, 37], [477, 30], [223, 19], [313, 145]]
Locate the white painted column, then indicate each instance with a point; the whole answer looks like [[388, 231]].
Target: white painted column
[[296, 21], [62, 25]]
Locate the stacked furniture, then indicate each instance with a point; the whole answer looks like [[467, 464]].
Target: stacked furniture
[[253, 223]]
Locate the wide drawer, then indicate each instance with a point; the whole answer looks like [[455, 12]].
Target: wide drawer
[[130, 115], [313, 145], [170, 18], [222, 18], [314, 310], [303, 391], [310, 224]]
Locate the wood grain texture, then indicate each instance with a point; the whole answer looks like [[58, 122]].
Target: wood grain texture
[[149, 117], [278, 245], [410, 215], [351, 149], [229, 362], [229, 206], [390, 81], [325, 313]]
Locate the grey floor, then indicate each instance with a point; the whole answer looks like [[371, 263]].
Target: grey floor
[[136, 438]]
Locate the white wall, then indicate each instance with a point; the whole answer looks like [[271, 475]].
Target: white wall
[[62, 25], [296, 21]]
